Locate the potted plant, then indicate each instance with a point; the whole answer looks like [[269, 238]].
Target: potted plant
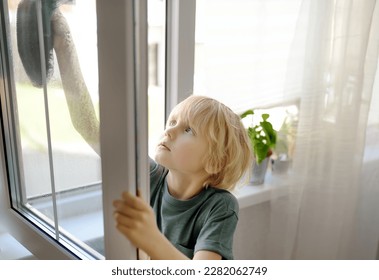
[[263, 139]]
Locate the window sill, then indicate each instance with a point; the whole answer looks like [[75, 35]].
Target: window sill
[[250, 195], [11, 249]]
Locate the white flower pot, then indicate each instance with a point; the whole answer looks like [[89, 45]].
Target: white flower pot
[[259, 172]]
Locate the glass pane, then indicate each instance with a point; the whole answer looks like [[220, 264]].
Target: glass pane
[[242, 49], [57, 125], [156, 89]]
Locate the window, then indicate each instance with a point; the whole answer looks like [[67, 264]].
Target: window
[[205, 49], [59, 180], [157, 65], [242, 49], [60, 187]]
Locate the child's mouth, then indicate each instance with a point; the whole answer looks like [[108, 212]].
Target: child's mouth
[[163, 146]]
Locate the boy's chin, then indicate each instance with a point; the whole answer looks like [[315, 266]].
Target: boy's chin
[[161, 161], [158, 159]]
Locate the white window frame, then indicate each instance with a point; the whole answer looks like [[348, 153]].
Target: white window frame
[[180, 51], [123, 110], [122, 54]]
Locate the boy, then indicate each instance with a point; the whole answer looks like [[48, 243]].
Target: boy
[[202, 154]]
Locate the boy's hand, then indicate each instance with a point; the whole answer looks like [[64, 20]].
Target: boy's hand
[[136, 220]]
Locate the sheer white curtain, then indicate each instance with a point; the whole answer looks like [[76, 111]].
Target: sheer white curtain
[[331, 210]]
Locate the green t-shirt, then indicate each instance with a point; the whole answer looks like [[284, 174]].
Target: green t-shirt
[[204, 222]]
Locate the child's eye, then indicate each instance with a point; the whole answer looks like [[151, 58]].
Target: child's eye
[[189, 130], [171, 123]]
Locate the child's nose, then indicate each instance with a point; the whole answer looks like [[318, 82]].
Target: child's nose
[[170, 132]]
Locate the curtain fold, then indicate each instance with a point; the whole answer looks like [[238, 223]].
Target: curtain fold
[[331, 208]]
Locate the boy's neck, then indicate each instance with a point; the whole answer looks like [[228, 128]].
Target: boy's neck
[[185, 186]]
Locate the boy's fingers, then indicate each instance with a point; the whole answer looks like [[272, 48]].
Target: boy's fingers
[[120, 205], [133, 201], [124, 220], [126, 210]]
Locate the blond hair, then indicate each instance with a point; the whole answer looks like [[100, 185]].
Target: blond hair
[[229, 156]]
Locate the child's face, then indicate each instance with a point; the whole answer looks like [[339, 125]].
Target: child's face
[[181, 148]]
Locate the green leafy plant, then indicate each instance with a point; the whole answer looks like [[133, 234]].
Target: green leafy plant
[[262, 136]]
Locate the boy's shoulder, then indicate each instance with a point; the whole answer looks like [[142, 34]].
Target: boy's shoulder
[[224, 199]]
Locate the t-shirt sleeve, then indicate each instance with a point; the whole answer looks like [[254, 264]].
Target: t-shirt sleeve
[[218, 230]]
